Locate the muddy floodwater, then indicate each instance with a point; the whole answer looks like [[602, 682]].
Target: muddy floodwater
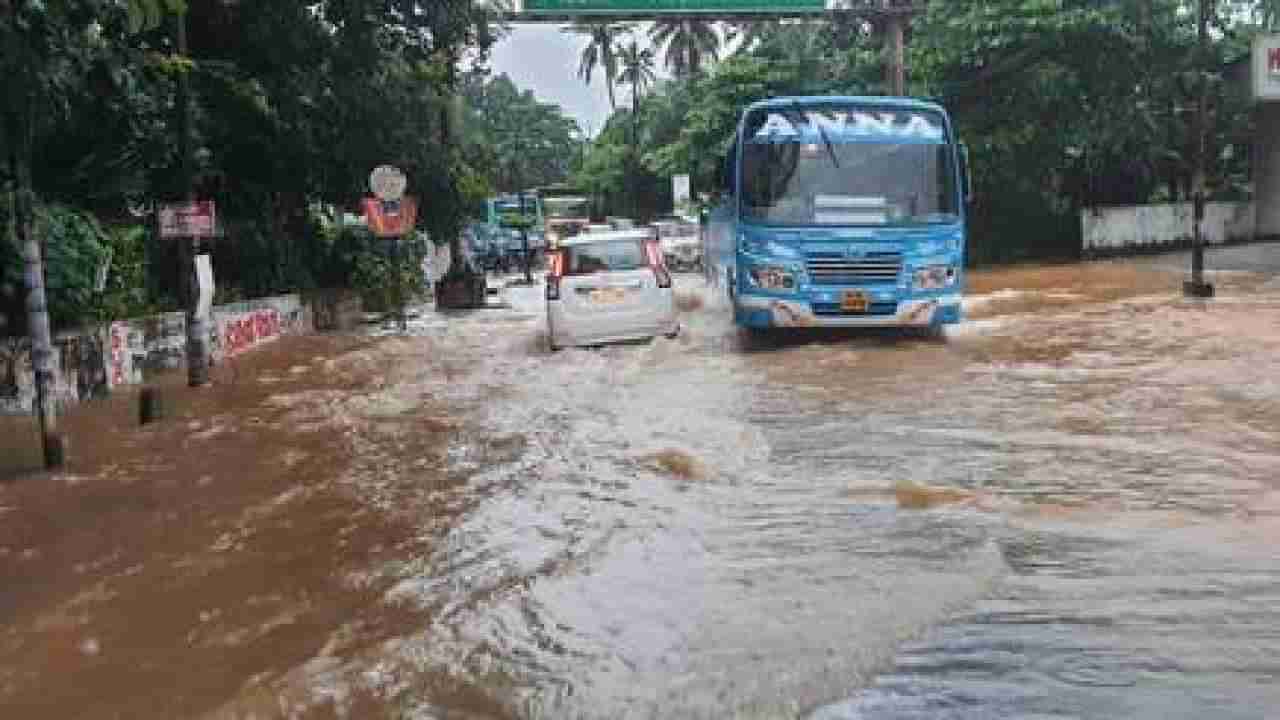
[[1069, 507]]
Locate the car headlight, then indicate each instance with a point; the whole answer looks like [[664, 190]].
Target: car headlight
[[935, 277], [772, 277]]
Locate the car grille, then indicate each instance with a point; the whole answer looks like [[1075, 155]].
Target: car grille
[[836, 269]]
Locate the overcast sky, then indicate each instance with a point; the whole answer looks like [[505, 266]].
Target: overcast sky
[[540, 58]]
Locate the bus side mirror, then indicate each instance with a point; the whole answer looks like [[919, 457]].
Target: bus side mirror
[[728, 169], [966, 179]]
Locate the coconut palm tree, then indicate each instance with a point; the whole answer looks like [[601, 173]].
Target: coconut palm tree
[[638, 71], [601, 51], [689, 44], [751, 32]]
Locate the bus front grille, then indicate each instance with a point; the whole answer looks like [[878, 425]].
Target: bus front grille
[[836, 269], [874, 309]]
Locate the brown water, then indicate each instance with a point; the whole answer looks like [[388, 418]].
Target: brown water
[[1068, 508]]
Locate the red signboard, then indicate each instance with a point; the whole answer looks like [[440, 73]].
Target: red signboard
[[187, 220], [391, 219]]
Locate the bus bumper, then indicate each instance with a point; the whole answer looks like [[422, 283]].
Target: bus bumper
[[767, 312]]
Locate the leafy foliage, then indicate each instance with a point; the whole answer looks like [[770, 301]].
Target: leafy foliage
[[1065, 105], [601, 51], [295, 102], [689, 44], [77, 249], [516, 140], [376, 276]]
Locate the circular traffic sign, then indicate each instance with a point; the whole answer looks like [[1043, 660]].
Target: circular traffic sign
[[388, 183]]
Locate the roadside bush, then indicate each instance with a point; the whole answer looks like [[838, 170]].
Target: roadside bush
[[375, 278], [76, 249], [125, 294]]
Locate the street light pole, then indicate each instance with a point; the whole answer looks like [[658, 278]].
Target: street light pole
[[524, 239], [897, 54], [1196, 286]]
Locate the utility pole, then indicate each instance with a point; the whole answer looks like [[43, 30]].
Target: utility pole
[[524, 240], [197, 323], [891, 17], [635, 148], [1196, 286], [895, 39]]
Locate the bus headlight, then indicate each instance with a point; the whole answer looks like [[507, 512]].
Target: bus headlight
[[772, 277], [935, 277], [751, 246]]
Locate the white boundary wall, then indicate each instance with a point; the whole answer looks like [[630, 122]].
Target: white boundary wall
[[1139, 227]]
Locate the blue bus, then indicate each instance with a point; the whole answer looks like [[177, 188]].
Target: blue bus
[[842, 212], [529, 205]]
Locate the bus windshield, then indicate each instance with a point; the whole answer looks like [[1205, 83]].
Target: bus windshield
[[845, 166]]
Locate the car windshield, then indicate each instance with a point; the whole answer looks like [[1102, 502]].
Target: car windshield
[[842, 166], [604, 257]]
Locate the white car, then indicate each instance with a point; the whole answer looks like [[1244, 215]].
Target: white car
[[609, 287]]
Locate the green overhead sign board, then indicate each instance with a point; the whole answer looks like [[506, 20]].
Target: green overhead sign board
[[634, 7]]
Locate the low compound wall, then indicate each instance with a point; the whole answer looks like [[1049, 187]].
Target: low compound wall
[[128, 352], [1137, 228]]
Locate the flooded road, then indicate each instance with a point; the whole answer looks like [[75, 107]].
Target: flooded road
[[1069, 508]]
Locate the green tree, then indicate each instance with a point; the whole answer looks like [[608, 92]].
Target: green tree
[[749, 33], [688, 44], [638, 71], [601, 52], [47, 51]]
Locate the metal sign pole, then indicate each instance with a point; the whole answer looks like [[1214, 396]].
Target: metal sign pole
[[398, 270], [388, 184]]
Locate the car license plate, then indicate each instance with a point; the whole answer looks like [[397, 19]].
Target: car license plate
[[608, 296], [854, 301]]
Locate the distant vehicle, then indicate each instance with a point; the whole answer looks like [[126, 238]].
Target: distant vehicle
[[621, 223], [595, 228], [681, 245], [842, 212], [566, 212], [526, 205], [513, 248], [609, 287]]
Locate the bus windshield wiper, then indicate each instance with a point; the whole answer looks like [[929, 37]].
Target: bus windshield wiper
[[831, 151]]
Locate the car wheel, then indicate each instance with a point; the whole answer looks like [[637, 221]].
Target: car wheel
[[675, 333]]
